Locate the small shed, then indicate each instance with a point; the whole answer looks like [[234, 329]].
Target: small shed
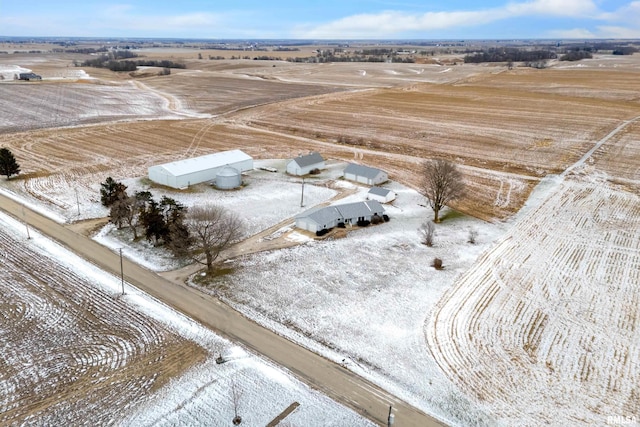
[[317, 219], [304, 164], [383, 195], [365, 174], [183, 173], [228, 178]]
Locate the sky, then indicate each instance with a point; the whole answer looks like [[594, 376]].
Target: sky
[[328, 19]]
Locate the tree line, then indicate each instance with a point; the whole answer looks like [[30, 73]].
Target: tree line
[[114, 62], [509, 55], [199, 233]]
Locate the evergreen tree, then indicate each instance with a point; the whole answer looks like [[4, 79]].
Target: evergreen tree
[[8, 164], [112, 191]]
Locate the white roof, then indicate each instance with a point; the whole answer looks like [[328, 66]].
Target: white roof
[[210, 161]]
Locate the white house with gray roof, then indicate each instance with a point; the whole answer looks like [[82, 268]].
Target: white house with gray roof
[[327, 217], [365, 174], [183, 173], [383, 195], [303, 165]]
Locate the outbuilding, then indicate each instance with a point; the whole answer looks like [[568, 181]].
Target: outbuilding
[[383, 195], [365, 174], [183, 173], [304, 164], [327, 217]]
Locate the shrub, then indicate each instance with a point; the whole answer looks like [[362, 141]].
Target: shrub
[[322, 232], [473, 235], [315, 171], [376, 219], [385, 217], [437, 264], [341, 225], [363, 223]]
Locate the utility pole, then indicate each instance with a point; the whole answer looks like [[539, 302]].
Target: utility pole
[[302, 196], [121, 272], [77, 201], [391, 418], [26, 224]]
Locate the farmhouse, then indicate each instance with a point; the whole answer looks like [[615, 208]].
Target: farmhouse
[[327, 217], [183, 173], [303, 165], [365, 174], [383, 195]]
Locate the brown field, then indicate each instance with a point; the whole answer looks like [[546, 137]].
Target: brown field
[[71, 353], [505, 128]]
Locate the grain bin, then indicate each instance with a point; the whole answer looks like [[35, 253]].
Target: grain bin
[[228, 178]]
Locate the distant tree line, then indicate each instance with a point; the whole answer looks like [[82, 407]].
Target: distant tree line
[[509, 55], [113, 61], [576, 55], [333, 56]]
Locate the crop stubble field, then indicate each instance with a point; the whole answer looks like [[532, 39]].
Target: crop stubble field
[[545, 325], [506, 129], [72, 353]]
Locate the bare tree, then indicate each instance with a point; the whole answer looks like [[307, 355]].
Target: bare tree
[[442, 184], [213, 230], [428, 231]]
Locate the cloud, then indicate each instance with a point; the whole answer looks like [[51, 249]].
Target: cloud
[[388, 23], [564, 8], [392, 22]]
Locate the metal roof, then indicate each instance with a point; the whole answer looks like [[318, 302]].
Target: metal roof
[[360, 170], [379, 191], [210, 161], [308, 159], [328, 214]]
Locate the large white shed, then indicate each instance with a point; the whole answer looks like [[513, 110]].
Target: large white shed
[[365, 174], [183, 173], [303, 165]]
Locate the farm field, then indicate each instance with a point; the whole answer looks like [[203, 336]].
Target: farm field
[[536, 323], [77, 351], [72, 352], [544, 326]]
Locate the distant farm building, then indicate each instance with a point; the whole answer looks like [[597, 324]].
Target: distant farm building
[[29, 76], [183, 173], [303, 165], [382, 195], [327, 217], [365, 174]]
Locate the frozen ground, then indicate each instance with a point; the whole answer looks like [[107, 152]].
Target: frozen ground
[[365, 300], [92, 360]]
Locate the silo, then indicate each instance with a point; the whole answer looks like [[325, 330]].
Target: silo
[[228, 178]]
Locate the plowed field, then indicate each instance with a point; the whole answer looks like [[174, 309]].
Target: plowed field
[[544, 327], [71, 353]]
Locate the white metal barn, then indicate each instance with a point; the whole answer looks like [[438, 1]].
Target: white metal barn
[[302, 165], [183, 173], [383, 195], [365, 174], [327, 217]]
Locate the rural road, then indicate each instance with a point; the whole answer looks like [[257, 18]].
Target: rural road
[[330, 378]]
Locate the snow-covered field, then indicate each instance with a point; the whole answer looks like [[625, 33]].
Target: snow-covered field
[[544, 327], [365, 300], [93, 356]]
